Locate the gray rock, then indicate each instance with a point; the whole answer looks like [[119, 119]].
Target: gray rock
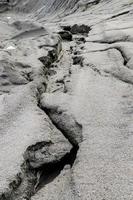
[[57, 106], [81, 148], [33, 136]]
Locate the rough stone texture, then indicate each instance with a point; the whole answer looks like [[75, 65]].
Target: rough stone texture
[[58, 107], [23, 124], [56, 93], [61, 188]]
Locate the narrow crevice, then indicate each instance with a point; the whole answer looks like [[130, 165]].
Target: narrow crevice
[[22, 186], [123, 13], [48, 173], [30, 179], [74, 141], [112, 17]]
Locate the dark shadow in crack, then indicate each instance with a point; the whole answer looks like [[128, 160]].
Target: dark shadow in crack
[[49, 172]]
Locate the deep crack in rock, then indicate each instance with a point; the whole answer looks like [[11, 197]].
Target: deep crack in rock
[[46, 98], [47, 173]]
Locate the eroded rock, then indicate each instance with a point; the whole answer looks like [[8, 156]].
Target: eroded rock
[[57, 106], [32, 133], [100, 91], [45, 153]]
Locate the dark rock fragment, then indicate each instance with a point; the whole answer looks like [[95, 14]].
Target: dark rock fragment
[[66, 35], [77, 29], [82, 29], [78, 60]]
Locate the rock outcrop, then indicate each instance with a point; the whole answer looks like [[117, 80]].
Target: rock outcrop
[[66, 90]]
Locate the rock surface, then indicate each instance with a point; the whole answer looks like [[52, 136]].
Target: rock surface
[[66, 100], [58, 108]]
